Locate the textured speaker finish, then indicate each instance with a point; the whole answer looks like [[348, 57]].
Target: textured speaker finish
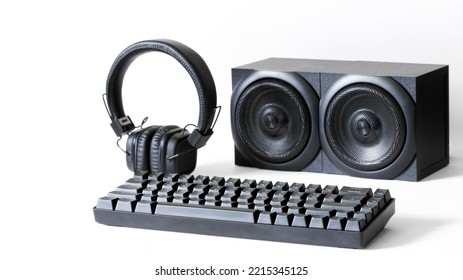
[[413, 123], [275, 120], [272, 120], [384, 106]]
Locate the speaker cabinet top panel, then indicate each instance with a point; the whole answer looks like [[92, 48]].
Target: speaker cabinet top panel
[[346, 67]]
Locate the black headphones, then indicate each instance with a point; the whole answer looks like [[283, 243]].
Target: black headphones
[[162, 148]]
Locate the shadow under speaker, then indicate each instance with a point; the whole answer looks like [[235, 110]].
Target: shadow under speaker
[[366, 119]]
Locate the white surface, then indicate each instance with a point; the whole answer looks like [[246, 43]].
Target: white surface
[[59, 153]]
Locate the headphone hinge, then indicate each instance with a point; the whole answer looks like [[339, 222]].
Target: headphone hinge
[[122, 126]]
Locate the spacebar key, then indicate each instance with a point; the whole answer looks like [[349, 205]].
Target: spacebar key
[[207, 212]]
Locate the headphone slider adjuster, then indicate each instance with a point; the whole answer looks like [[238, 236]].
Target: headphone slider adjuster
[[122, 125]]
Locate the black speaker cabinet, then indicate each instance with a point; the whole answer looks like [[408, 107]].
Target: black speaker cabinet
[[366, 119]]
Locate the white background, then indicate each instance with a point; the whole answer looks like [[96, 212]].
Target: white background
[[59, 154]]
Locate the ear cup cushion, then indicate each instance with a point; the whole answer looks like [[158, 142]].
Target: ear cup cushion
[[138, 147], [156, 147]]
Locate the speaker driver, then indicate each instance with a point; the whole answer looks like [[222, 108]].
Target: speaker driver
[[272, 120], [365, 127]]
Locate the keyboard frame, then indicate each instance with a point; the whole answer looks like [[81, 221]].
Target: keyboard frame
[[300, 235]]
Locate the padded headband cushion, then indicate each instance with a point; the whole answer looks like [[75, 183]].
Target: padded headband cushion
[[187, 57]]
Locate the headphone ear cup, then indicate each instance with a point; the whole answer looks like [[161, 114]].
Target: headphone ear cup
[[138, 149], [157, 154]]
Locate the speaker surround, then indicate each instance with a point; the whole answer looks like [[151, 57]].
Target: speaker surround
[[367, 119], [275, 120]]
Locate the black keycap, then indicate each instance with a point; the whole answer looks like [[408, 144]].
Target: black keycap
[[164, 198], [262, 207], [331, 198], [177, 199], [367, 216], [186, 178], [201, 180], [155, 184], [267, 218], [313, 188], [295, 202], [337, 223], [145, 207], [264, 193], [136, 182], [245, 198], [228, 197], [283, 219], [127, 205], [264, 184], [156, 176], [217, 181], [312, 204], [213, 196], [228, 203], [340, 206], [216, 190], [282, 193], [330, 189], [354, 199], [181, 193], [296, 210], [301, 220], [131, 196], [196, 201], [319, 222], [244, 205], [197, 194], [344, 214], [298, 195], [150, 190], [149, 197], [169, 186], [166, 192], [297, 187], [281, 186], [278, 201], [232, 182], [133, 189], [383, 193], [279, 208], [376, 201], [249, 192], [374, 210], [314, 197], [320, 212], [248, 183], [355, 224], [108, 203], [208, 202], [171, 177], [185, 187], [206, 212], [232, 190], [356, 191]]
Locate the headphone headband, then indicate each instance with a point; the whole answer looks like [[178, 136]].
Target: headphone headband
[[193, 64]]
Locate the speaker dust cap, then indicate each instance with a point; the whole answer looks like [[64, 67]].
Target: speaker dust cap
[[275, 120], [367, 126]]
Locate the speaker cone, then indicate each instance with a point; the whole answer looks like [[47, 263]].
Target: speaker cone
[[272, 121], [365, 127]]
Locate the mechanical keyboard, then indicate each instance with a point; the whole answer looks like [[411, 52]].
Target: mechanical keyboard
[[297, 213]]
